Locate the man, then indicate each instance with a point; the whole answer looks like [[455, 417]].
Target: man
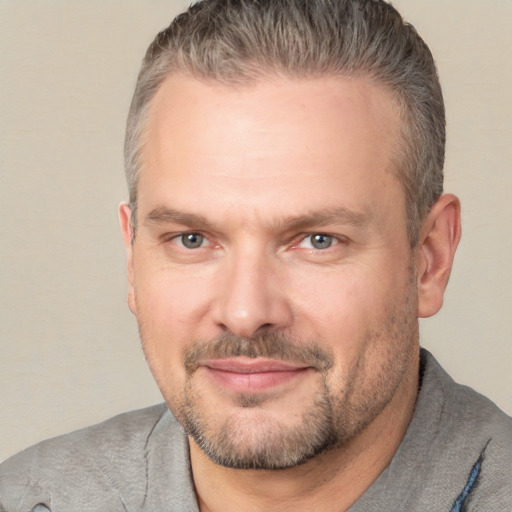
[[285, 230]]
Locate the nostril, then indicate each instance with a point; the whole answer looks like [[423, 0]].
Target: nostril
[[264, 328]]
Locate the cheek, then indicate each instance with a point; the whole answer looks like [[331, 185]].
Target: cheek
[[374, 339], [170, 299], [169, 308], [337, 301], [349, 307]]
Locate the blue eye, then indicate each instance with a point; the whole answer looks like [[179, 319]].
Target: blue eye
[[192, 240], [317, 241], [320, 241]]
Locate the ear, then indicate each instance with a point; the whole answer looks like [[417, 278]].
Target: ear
[[439, 236], [125, 215]]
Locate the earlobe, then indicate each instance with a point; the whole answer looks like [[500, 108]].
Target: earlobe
[[125, 215], [439, 237]]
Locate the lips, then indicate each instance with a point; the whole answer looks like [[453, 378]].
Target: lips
[[247, 375]]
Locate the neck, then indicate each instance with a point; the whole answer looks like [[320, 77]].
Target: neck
[[333, 480]]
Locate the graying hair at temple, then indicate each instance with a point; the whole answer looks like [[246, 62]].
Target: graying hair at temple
[[242, 41]]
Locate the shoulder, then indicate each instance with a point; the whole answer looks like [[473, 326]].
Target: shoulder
[[466, 411], [103, 464], [457, 451], [125, 431], [474, 431]]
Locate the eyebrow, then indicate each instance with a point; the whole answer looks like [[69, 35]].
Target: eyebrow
[[329, 216], [164, 215]]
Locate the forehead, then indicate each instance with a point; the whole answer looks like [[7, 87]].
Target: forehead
[[325, 139]]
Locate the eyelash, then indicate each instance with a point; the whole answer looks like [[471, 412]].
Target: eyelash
[[333, 240], [176, 238]]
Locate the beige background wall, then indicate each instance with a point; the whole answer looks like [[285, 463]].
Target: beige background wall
[[69, 350]]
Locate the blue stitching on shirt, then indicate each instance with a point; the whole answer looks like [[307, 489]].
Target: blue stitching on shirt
[[473, 476]]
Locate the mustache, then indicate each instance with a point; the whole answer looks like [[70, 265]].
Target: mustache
[[269, 345]]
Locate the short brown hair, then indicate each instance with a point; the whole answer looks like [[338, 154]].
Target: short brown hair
[[235, 41]]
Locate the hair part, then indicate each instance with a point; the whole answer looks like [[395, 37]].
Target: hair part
[[242, 41]]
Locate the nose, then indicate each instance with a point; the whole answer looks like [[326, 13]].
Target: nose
[[251, 296]]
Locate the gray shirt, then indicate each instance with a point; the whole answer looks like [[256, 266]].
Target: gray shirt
[[456, 456]]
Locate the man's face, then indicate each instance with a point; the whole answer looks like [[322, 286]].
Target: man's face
[[271, 274]]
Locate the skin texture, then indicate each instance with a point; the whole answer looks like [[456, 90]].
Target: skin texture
[[274, 347]]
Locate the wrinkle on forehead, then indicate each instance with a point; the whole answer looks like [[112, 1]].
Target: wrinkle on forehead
[[277, 154], [328, 216]]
